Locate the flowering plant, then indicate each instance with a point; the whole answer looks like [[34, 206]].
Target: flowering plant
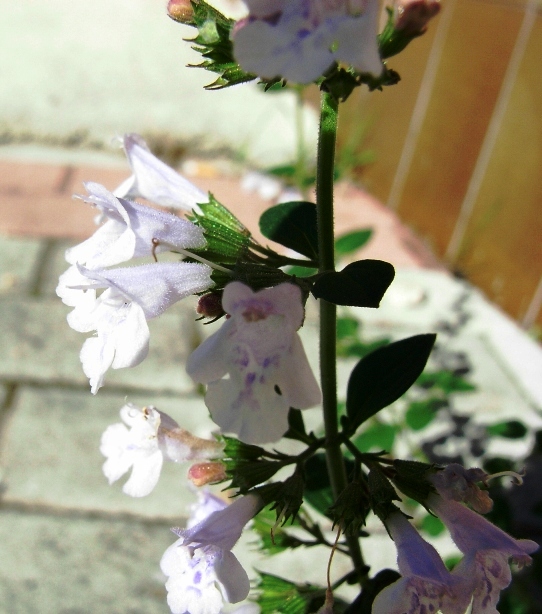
[[255, 371]]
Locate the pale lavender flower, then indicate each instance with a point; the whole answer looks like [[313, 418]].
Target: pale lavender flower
[[156, 181], [119, 315], [426, 585], [487, 550], [201, 569], [131, 230], [147, 438], [260, 350], [300, 39]]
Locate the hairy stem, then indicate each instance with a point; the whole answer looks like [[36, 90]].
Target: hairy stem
[[328, 311]]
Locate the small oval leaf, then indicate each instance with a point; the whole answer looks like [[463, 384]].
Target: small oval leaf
[[293, 225], [360, 284], [384, 375]]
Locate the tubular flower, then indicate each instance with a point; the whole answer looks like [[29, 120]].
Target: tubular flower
[[156, 181], [147, 437], [200, 566], [131, 230], [300, 39], [487, 550], [260, 350], [426, 586], [119, 315]]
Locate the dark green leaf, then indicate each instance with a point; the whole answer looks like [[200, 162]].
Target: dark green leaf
[[378, 435], [296, 426], [292, 225], [511, 430], [279, 596], [360, 284], [386, 374], [351, 241], [421, 413]]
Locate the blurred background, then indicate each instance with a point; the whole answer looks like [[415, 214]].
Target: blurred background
[[455, 149]]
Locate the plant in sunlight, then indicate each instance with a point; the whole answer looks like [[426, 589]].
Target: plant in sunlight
[[329, 483]]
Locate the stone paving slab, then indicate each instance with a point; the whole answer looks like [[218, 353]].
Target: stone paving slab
[[59, 565], [18, 259], [39, 346], [50, 453], [85, 73]]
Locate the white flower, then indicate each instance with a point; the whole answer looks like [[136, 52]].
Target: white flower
[[152, 436], [259, 348], [131, 230], [156, 181], [200, 566], [119, 315], [300, 39]]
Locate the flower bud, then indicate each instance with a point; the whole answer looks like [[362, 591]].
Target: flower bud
[[412, 16], [201, 474], [180, 10], [210, 305]]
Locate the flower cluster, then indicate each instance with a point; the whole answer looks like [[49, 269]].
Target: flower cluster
[[483, 572], [117, 302], [200, 566], [300, 39]]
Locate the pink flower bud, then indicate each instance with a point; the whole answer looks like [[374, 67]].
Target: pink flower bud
[[412, 16], [180, 10], [210, 305], [201, 474]]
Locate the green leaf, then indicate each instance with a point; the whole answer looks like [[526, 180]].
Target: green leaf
[[301, 271], [347, 327], [293, 225], [380, 436], [360, 284], [358, 349], [446, 381], [383, 376], [351, 241], [432, 525], [421, 413], [279, 596], [511, 430], [263, 523]]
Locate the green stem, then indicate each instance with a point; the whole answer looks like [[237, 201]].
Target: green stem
[[328, 311]]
